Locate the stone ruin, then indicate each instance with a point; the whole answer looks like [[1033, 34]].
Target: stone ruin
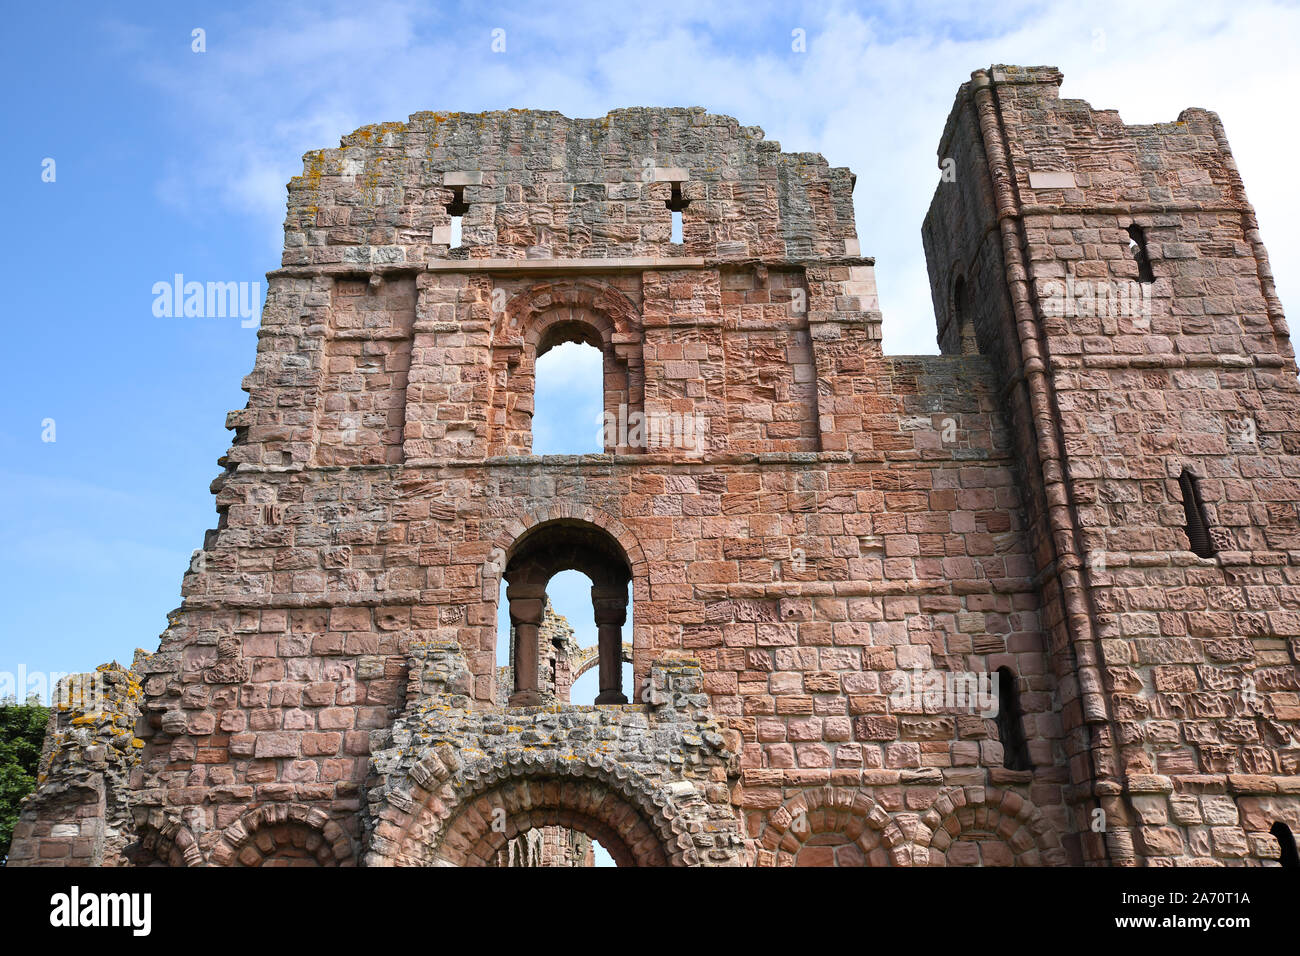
[[1086, 507]]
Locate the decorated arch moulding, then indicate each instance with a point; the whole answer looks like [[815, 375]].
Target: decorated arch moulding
[[443, 799], [1024, 828], [599, 299], [168, 840], [332, 846], [820, 811]]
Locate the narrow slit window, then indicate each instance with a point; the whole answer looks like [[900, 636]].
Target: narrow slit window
[[1011, 731], [1290, 857], [965, 321], [677, 205], [456, 209], [1137, 247], [1198, 525]]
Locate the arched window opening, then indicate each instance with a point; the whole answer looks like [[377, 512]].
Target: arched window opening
[[1290, 857], [548, 651], [1198, 524], [533, 329], [456, 209], [1137, 248], [569, 399], [677, 205], [1011, 730], [963, 318]]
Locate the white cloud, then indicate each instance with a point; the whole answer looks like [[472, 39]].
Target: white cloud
[[871, 92]]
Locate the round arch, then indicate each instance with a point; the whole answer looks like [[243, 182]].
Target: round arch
[[465, 821], [961, 317], [518, 528], [165, 841], [613, 311], [533, 560], [290, 832], [827, 826], [589, 657], [547, 314], [968, 826], [523, 804]]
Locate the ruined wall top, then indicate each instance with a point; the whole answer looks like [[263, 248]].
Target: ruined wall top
[[536, 184], [1069, 154]]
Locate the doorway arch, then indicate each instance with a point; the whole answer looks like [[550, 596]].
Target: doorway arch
[[448, 813], [522, 804]]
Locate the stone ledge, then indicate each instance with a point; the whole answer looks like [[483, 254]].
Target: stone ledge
[[604, 461], [630, 263], [586, 265], [1124, 209], [300, 601], [1094, 361]]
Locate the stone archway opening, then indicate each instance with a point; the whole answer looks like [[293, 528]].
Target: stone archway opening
[[488, 830], [551, 847], [570, 842], [538, 556]]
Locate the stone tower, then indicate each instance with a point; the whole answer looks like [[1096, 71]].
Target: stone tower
[[1025, 602], [1115, 279]]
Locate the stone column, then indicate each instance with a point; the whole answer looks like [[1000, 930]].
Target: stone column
[[611, 613], [527, 604]]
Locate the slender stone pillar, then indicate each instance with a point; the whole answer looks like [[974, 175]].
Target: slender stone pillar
[[611, 613], [527, 606]]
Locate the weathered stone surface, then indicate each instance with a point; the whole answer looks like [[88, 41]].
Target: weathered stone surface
[[808, 527]]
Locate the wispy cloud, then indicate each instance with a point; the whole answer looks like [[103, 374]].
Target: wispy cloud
[[871, 91]]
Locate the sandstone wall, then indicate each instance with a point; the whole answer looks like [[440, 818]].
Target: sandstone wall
[[328, 691], [1187, 664]]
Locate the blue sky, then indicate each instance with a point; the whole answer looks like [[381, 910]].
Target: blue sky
[[169, 161]]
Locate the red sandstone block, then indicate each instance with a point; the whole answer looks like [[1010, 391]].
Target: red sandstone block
[[278, 744], [335, 718], [876, 728], [793, 704], [317, 744]]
